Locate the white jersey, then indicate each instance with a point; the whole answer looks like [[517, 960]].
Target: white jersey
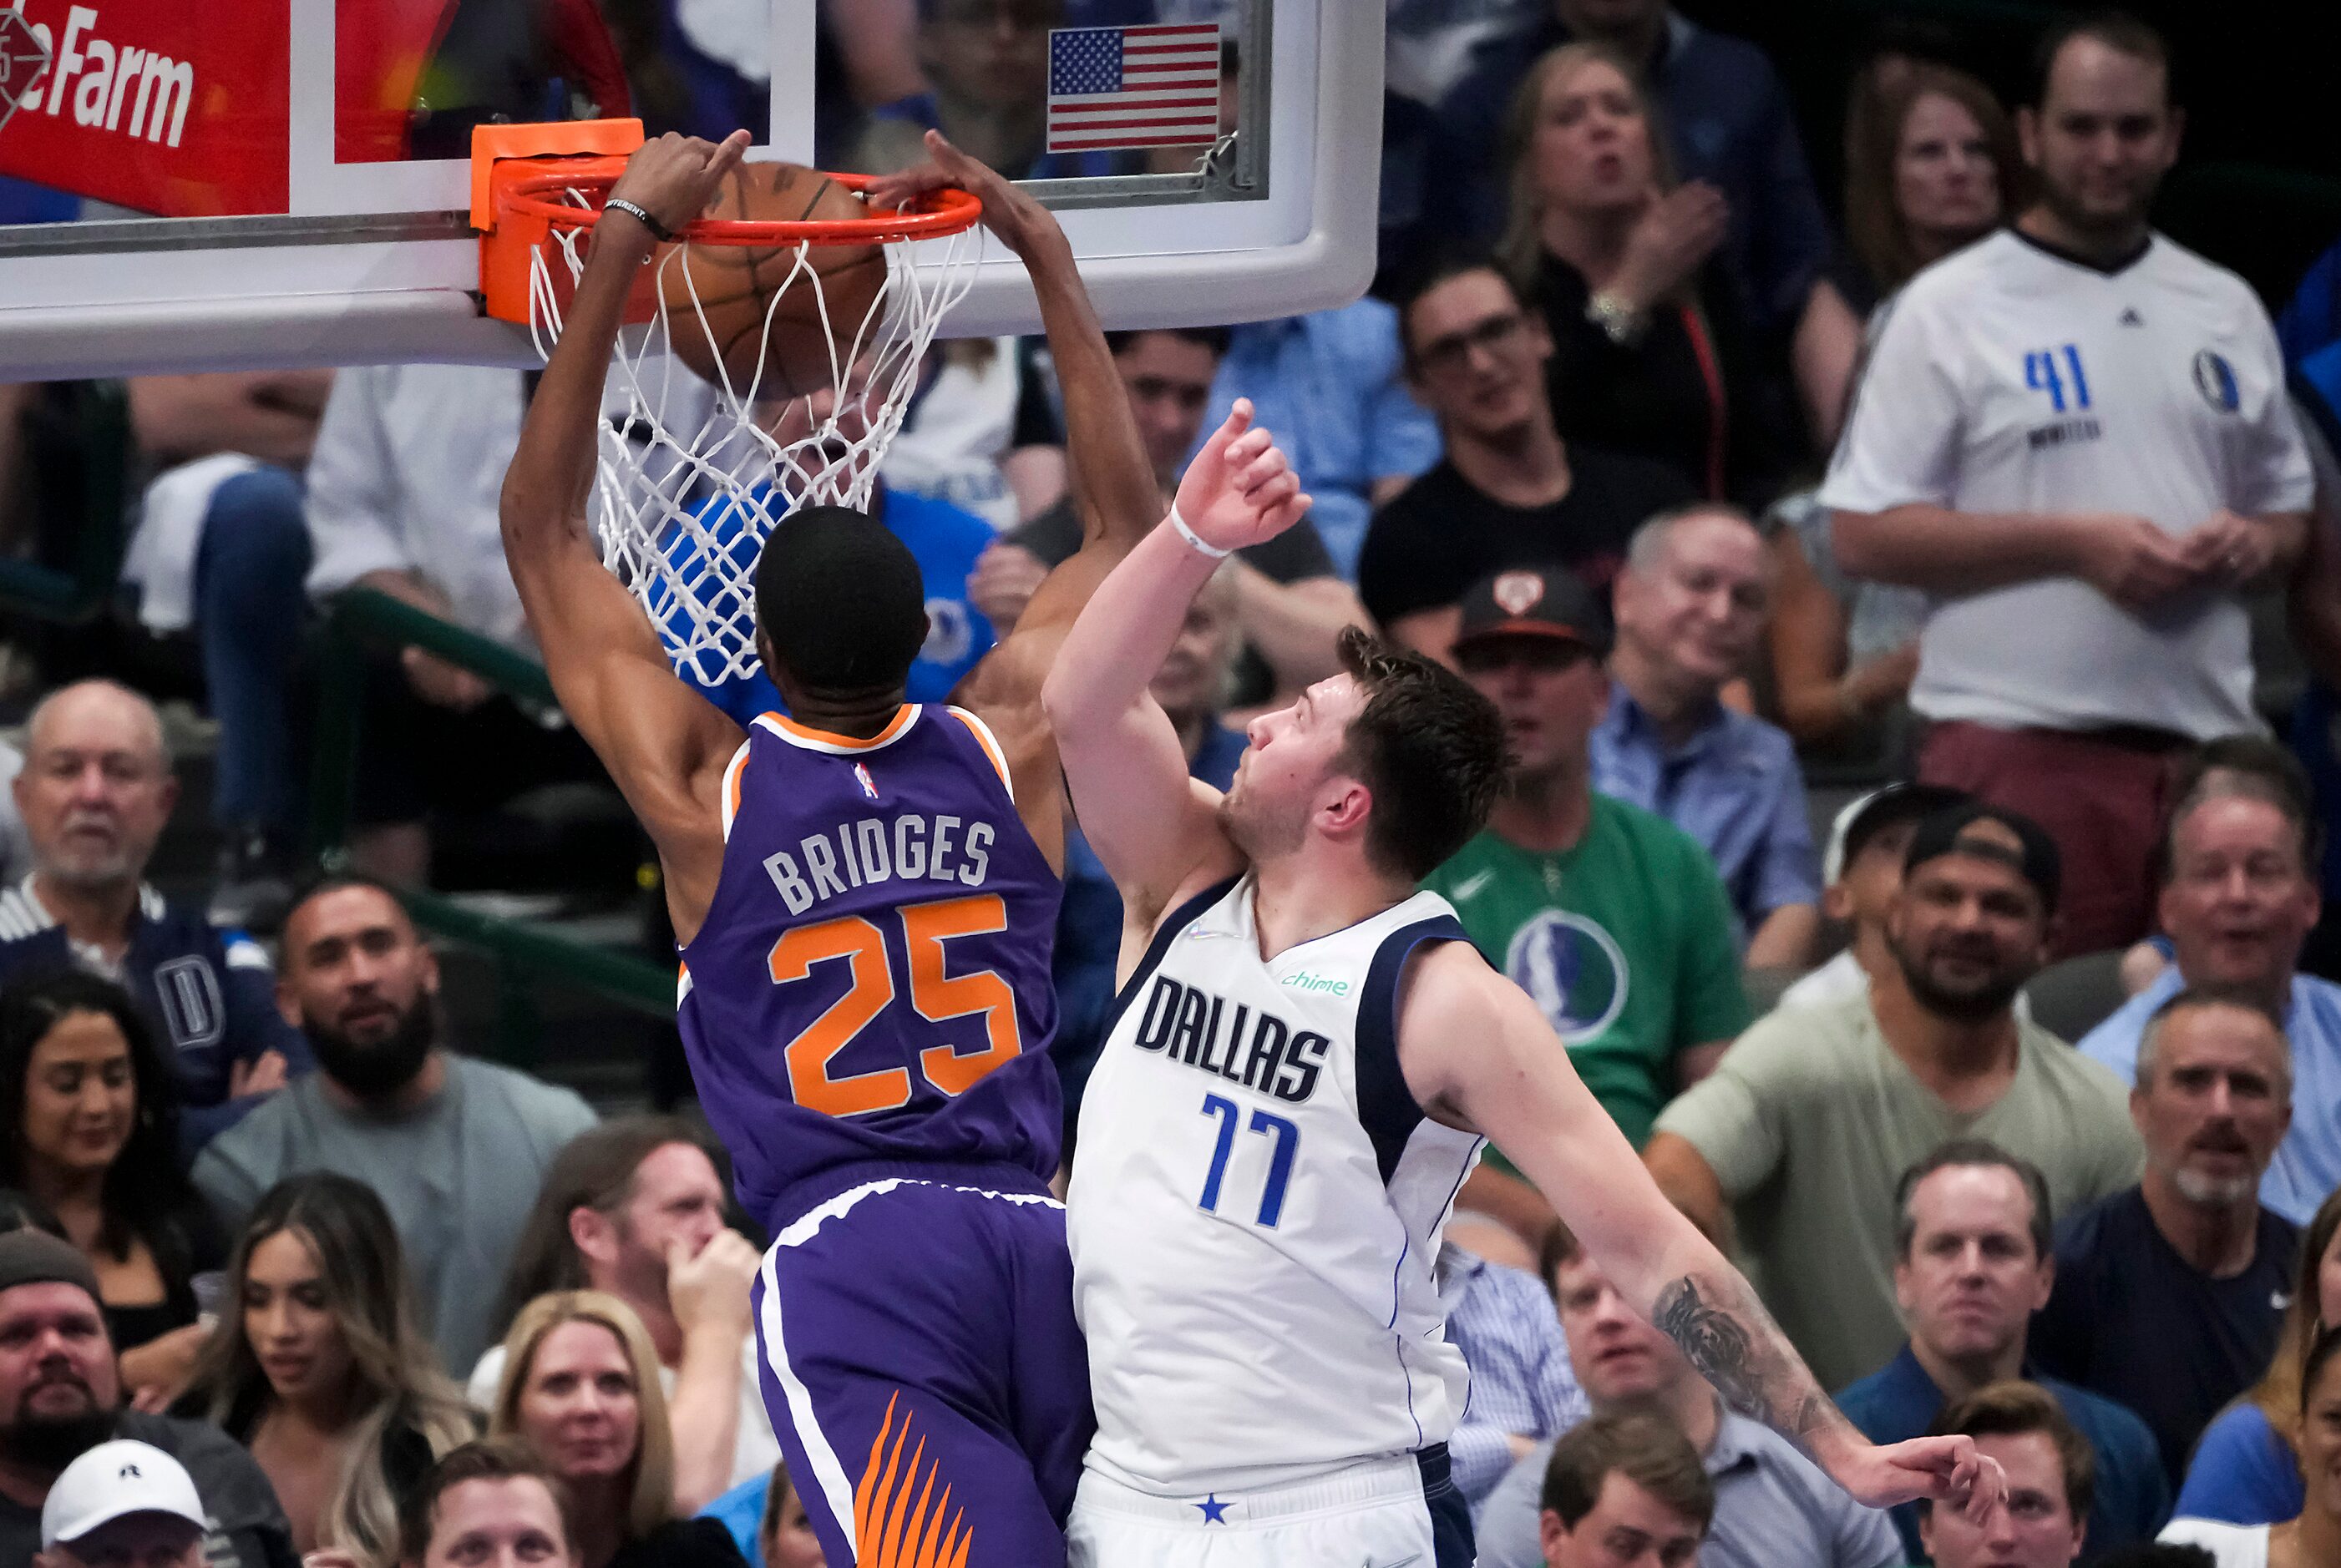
[[1256, 1209], [2009, 378]]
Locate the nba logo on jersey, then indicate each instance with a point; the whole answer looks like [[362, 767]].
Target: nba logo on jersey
[[862, 777]]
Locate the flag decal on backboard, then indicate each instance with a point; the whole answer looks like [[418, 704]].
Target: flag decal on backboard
[[1113, 87]]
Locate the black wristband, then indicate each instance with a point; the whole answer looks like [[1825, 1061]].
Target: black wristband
[[659, 231]]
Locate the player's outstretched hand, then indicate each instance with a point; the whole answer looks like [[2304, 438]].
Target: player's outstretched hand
[[1008, 212], [674, 177], [1240, 488], [1949, 1470]]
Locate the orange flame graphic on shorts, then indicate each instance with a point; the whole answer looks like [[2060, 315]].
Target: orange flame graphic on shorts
[[892, 1531]]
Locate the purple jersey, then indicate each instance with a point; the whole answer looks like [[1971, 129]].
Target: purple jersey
[[871, 982]]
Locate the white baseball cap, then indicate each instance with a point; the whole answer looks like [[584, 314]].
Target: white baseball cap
[[113, 1480]]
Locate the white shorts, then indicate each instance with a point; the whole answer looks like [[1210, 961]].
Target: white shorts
[[1385, 1513]]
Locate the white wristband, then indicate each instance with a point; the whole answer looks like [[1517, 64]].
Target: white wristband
[[1196, 539]]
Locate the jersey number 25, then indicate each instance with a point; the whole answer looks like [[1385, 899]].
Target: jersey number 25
[[936, 996]]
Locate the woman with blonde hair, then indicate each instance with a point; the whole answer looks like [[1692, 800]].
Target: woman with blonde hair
[[581, 1384], [317, 1367], [1651, 354]]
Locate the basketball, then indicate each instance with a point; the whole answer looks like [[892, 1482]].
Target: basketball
[[716, 299]]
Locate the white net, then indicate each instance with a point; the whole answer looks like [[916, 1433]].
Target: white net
[[693, 478]]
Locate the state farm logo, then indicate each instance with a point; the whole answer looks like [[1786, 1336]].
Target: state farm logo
[[24, 56], [109, 85]]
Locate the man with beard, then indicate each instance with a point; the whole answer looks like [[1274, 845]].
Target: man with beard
[[1971, 1267], [59, 1398], [456, 1147], [1803, 1128], [2169, 1294], [96, 792]]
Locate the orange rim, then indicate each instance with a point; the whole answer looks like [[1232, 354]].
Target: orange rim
[[948, 210]]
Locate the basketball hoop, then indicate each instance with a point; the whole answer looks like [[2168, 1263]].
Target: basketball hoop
[[694, 469]]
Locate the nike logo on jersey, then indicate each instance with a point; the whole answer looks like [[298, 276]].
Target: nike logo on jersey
[[1468, 887], [1257, 1049]]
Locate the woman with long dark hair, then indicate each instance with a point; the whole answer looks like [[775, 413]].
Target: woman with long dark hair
[[318, 1367], [88, 1131]]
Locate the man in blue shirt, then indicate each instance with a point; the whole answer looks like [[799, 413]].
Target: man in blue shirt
[[96, 792], [2238, 898], [1690, 608], [1330, 385], [1973, 1267]]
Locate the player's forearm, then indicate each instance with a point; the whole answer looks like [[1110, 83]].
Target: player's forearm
[[1110, 655], [1113, 476], [705, 1415], [1945, 551], [552, 467]]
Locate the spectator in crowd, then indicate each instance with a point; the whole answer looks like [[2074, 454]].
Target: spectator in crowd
[[122, 1504], [2075, 435], [2246, 1470], [1610, 916], [15, 844], [1972, 1265], [1330, 385], [980, 432], [2314, 1536], [1729, 127], [581, 1384], [1690, 612], [60, 1397], [1861, 871], [1934, 172], [96, 792], [1524, 1390], [1810, 1119], [455, 1147], [1652, 351], [1290, 604], [1509, 492], [1843, 648], [89, 1139], [2238, 899], [491, 1501], [1627, 1487], [1190, 687], [784, 1535], [319, 1369], [2052, 1483], [2169, 1294], [635, 1208], [1774, 1508], [222, 547], [402, 494]]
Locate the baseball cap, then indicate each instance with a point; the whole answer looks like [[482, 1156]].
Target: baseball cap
[[111, 1480], [1534, 601], [1949, 833], [1865, 818]]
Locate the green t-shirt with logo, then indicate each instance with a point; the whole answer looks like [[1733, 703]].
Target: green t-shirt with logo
[[1625, 941]]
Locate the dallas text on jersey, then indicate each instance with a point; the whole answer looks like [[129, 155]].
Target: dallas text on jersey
[[1183, 1022], [912, 847]]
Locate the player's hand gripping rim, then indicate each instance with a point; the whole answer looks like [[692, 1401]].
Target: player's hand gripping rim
[[1009, 212], [674, 177]]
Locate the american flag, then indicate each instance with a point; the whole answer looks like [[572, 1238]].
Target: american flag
[[1132, 87]]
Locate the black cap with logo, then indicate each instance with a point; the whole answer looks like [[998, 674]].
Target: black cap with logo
[[1534, 601]]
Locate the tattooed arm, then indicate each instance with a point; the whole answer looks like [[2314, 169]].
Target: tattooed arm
[[1477, 1054]]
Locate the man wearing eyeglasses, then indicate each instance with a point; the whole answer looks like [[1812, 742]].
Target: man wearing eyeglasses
[[1508, 493]]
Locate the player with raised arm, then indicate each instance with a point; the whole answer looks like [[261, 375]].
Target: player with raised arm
[[1304, 1058], [865, 893]]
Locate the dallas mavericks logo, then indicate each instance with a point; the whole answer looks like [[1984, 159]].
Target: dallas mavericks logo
[[2215, 378], [1574, 970], [949, 633]]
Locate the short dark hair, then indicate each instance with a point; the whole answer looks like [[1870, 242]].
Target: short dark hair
[[840, 601], [1559, 1249], [2116, 29], [313, 887], [1429, 748], [1443, 268], [2257, 769], [2187, 999], [2015, 1408], [483, 1459], [1643, 1446], [1972, 1152], [1215, 338]]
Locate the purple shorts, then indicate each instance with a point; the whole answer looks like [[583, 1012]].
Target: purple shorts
[[924, 1370]]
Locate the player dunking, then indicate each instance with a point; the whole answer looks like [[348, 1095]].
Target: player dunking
[[865, 895], [1303, 1058]]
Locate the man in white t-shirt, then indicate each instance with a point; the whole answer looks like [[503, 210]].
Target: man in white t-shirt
[[2075, 435]]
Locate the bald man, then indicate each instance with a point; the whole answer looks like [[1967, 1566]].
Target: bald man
[[96, 792]]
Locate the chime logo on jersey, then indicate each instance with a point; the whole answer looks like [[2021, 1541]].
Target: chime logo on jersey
[[1575, 971], [2215, 378], [1254, 1049]]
